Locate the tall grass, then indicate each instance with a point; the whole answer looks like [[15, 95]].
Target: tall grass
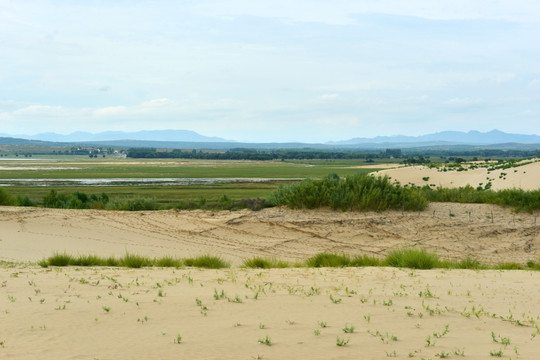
[[207, 261], [265, 263], [133, 204], [412, 258], [5, 198], [355, 192]]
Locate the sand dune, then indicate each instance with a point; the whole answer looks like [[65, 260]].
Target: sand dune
[[526, 177], [112, 313], [451, 230]]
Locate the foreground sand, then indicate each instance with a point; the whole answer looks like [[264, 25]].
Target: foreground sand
[[489, 233], [107, 313], [100, 313]]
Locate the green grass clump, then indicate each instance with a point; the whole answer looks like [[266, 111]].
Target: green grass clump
[[135, 261], [365, 260], [5, 198], [59, 259], [509, 266], [265, 263], [355, 192], [412, 258], [133, 204], [328, 260], [87, 260], [533, 265], [207, 261], [467, 263], [168, 261]]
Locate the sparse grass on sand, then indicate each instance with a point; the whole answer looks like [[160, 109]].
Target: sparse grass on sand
[[133, 261], [413, 258]]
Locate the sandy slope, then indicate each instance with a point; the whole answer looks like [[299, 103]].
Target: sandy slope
[[103, 313], [87, 313], [451, 230], [526, 177]]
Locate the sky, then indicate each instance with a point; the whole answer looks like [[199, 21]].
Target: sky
[[270, 71]]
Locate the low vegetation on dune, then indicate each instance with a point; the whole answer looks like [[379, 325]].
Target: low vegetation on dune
[[133, 261], [412, 258], [357, 192], [518, 199], [351, 193]]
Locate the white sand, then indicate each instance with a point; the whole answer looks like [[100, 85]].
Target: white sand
[[61, 313]]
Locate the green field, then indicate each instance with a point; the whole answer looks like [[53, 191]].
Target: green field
[[165, 196], [173, 169]]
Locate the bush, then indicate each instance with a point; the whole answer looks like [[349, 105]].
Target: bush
[[365, 260], [134, 204], [328, 260], [59, 260], [5, 198], [76, 200], [357, 192], [134, 261], [263, 263], [206, 261], [24, 201], [412, 258], [168, 261]]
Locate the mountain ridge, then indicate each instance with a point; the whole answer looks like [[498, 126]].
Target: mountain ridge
[[458, 137]]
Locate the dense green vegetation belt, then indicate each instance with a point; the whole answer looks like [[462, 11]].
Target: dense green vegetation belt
[[352, 193]]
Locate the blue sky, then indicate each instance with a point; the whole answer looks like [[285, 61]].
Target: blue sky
[[311, 71]]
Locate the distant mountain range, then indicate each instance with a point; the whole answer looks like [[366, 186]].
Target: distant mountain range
[[148, 135], [185, 139], [448, 137]]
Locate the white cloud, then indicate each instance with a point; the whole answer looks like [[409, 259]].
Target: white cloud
[[329, 97], [110, 110]]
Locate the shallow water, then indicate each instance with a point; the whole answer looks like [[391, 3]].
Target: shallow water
[[135, 181]]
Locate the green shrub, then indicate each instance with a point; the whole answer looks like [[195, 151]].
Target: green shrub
[[59, 260], [509, 266], [207, 261], [5, 198], [134, 204], [168, 261], [264, 263], [88, 260], [328, 260], [357, 192], [412, 258], [365, 260], [135, 261]]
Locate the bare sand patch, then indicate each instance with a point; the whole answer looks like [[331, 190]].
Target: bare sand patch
[[101, 313], [526, 177], [118, 313], [488, 232]]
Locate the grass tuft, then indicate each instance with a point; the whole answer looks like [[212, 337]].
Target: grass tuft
[[60, 260], [168, 261], [135, 261], [265, 263], [328, 260], [412, 258], [207, 261]]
